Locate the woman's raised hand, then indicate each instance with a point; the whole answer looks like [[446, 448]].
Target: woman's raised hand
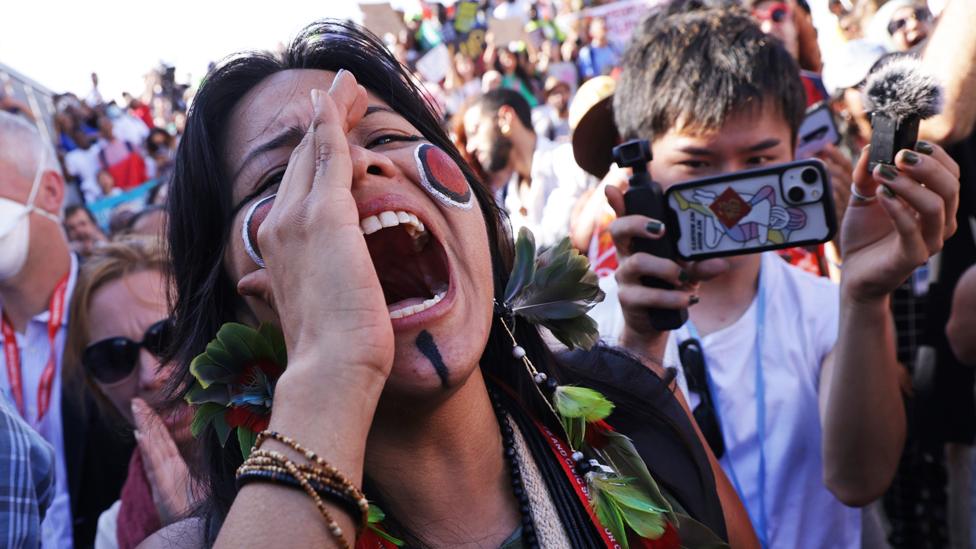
[[166, 470], [322, 280]]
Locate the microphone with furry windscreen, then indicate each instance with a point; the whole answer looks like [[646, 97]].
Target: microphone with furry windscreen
[[898, 96]]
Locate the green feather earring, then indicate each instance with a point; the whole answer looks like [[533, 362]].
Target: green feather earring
[[555, 289]]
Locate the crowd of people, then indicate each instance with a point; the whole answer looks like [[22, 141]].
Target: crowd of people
[[371, 202]]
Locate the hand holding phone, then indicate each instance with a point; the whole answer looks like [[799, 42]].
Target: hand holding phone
[[752, 211], [817, 130]]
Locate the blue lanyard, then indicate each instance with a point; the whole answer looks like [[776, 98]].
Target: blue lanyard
[[760, 521]]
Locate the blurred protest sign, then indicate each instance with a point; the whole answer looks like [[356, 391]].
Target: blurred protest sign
[[465, 17], [506, 31], [435, 64], [469, 32], [134, 199], [381, 19], [621, 17], [565, 72]]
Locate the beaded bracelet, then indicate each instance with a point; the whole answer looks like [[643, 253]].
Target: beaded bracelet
[[316, 478], [329, 470], [333, 526], [326, 474], [250, 475]]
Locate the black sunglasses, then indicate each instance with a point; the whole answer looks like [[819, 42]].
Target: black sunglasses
[[693, 363], [920, 14], [113, 359]]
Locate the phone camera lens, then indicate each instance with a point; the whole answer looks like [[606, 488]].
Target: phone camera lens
[[796, 194], [809, 176]]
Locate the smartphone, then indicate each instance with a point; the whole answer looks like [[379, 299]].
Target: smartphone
[[817, 130], [752, 211]]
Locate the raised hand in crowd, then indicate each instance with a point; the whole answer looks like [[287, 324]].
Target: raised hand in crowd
[[165, 467], [913, 214]]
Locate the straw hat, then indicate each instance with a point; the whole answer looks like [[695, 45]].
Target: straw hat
[[591, 120]]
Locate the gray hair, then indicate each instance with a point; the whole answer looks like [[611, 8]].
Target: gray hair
[[22, 146]]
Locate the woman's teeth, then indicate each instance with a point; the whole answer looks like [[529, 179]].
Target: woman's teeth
[[414, 227], [414, 309]]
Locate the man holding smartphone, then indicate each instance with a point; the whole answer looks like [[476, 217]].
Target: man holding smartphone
[[798, 375]]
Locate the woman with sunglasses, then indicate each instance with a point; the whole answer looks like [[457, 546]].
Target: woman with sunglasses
[[316, 196], [119, 330], [901, 25]]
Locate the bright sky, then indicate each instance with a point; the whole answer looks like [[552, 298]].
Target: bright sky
[[59, 43]]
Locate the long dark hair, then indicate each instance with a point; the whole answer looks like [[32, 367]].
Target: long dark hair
[[201, 214]]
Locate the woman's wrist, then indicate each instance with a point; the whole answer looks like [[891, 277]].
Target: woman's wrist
[[330, 414]]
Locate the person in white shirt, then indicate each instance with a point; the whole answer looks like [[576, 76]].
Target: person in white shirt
[[793, 380], [512, 9], [535, 180], [37, 273], [94, 97], [83, 164]]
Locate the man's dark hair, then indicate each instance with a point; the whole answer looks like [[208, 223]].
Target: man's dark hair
[[75, 208], [495, 99], [695, 69]]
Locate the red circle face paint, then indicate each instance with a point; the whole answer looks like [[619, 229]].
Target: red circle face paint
[[442, 177], [255, 216]]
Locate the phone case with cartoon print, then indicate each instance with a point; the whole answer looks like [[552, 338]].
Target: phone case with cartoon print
[[752, 211]]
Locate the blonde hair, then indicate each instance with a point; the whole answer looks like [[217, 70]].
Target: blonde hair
[[106, 263]]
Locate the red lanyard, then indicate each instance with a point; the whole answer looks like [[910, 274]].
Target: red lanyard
[[564, 457], [12, 354]]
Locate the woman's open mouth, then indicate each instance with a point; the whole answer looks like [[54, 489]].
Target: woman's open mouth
[[410, 262]]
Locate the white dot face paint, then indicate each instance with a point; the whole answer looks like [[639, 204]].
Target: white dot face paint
[[442, 178], [255, 216]]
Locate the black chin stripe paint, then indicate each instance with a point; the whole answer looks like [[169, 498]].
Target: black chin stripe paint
[[425, 342]]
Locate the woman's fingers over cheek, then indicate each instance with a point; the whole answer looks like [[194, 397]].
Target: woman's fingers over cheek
[[940, 155], [142, 414], [257, 284], [358, 108], [332, 165], [350, 99], [297, 179], [154, 440]]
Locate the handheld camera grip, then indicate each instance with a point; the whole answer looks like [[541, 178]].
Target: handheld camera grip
[[645, 197]]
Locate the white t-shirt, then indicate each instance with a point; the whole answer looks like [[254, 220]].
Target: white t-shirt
[[106, 536], [85, 165], [130, 129], [801, 323], [557, 182], [510, 10]]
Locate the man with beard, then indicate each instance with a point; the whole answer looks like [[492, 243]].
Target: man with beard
[[551, 119], [534, 179]]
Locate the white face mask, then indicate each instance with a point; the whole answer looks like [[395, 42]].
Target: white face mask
[[15, 227]]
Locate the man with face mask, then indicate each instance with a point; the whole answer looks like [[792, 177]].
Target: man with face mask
[[36, 272], [37, 275]]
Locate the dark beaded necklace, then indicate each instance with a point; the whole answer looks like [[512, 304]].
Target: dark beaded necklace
[[529, 538]]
